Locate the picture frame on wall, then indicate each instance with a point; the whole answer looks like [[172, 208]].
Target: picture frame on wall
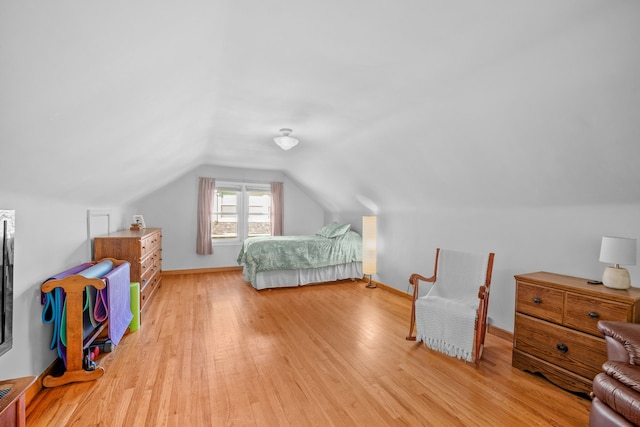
[[139, 219]]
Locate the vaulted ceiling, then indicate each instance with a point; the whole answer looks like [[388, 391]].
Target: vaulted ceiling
[[396, 104]]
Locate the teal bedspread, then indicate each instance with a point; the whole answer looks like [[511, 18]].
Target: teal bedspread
[[298, 252]]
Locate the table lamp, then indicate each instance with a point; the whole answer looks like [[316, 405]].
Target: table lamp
[[617, 250]]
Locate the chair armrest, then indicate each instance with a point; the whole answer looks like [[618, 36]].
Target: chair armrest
[[622, 334], [628, 375], [415, 279]]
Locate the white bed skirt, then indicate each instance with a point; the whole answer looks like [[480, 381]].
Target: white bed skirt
[[308, 276]]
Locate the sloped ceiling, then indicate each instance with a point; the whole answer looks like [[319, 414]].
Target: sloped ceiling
[[397, 104]]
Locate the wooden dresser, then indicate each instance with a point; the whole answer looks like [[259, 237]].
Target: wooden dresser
[[556, 331], [143, 249]]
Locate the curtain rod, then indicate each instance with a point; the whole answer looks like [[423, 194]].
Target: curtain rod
[[244, 181]]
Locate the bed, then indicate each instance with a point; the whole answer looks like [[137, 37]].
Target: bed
[[333, 253]]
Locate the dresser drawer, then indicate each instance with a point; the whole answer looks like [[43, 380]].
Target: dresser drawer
[[157, 259], [583, 312], [147, 265], [540, 302], [150, 286], [146, 246], [574, 351], [156, 241], [146, 277]]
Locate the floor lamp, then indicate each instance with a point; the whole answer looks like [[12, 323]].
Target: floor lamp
[[369, 243]]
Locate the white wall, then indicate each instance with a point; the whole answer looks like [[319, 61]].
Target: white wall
[[174, 209], [51, 236], [563, 240]]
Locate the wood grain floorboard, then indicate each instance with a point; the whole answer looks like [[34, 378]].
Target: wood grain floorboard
[[212, 351]]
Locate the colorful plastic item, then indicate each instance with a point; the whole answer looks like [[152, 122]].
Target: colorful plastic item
[[135, 306]]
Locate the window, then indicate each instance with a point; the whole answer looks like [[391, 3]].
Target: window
[[225, 213], [259, 215], [240, 211]]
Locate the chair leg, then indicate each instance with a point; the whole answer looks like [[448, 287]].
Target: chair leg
[[412, 324], [415, 282], [478, 341]]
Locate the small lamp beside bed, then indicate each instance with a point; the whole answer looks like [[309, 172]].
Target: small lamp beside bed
[[369, 241]]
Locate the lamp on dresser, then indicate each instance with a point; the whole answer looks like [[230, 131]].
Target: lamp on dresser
[[617, 250]]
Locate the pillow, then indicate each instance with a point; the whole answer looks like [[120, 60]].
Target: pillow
[[333, 229]]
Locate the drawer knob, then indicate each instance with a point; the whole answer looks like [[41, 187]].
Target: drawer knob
[[562, 347], [593, 315], [537, 300]]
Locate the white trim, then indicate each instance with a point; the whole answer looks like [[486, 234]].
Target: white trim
[[94, 218]]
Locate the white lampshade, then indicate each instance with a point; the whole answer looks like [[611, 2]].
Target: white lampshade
[[285, 141], [618, 250], [369, 243]]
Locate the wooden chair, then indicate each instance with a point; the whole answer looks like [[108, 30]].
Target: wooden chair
[[461, 275]]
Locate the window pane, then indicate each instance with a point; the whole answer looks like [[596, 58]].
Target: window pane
[[259, 213], [225, 214]]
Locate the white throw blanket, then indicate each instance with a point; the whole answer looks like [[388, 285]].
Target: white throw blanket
[[446, 316]]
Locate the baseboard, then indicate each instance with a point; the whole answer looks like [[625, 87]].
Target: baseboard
[[201, 270], [37, 384], [391, 289], [500, 333]]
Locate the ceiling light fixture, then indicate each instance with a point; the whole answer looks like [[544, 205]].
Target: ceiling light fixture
[[285, 141]]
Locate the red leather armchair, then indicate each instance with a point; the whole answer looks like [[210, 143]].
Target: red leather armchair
[[616, 391]]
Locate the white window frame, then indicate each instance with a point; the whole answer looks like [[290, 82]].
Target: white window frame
[[243, 190]]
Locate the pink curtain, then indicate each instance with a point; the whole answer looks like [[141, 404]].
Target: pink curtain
[[205, 208], [277, 208]]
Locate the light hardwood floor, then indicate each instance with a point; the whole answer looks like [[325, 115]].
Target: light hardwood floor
[[213, 351]]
